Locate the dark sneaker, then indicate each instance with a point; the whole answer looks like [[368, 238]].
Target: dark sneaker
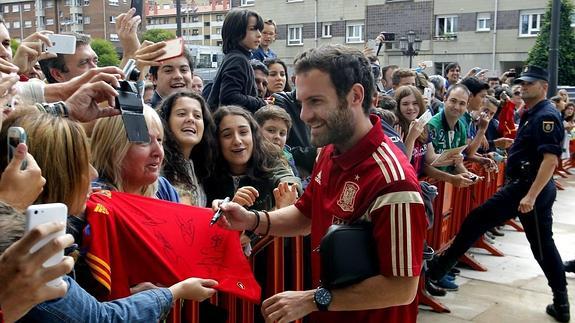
[[434, 290], [560, 307], [559, 312], [569, 266]]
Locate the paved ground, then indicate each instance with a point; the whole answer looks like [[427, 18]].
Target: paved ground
[[514, 288]]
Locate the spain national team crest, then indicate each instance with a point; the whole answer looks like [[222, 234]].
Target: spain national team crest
[[548, 126], [347, 197]]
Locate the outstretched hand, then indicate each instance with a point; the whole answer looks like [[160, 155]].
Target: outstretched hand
[[22, 275]]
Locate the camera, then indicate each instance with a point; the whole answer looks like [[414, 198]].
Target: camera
[[130, 103]]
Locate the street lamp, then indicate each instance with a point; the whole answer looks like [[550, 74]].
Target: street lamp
[[410, 45]]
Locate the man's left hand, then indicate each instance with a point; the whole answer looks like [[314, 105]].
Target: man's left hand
[[288, 306], [526, 204]]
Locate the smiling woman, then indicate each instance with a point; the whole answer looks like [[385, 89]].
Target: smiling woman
[[131, 167], [246, 159], [188, 144]]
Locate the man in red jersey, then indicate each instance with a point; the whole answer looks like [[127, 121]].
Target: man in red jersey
[[359, 174]]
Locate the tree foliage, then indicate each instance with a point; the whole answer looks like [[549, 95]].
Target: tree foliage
[[539, 54], [14, 45], [106, 52], [158, 35]]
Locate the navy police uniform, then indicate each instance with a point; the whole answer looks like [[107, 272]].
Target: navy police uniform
[[540, 132]]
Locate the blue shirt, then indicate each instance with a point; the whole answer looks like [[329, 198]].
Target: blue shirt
[[261, 55], [165, 190], [540, 132], [78, 306]]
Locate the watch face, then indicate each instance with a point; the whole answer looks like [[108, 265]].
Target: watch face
[[323, 296]]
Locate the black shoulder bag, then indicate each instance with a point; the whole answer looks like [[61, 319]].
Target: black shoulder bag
[[348, 255]]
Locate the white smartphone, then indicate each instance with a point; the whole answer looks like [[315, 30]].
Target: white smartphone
[[44, 213], [16, 135], [61, 44], [428, 93]]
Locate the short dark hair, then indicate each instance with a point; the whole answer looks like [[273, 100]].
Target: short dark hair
[[474, 85], [270, 61], [58, 62], [271, 112], [401, 73], [235, 26], [187, 54], [451, 66], [387, 102], [346, 66], [457, 86], [259, 66]]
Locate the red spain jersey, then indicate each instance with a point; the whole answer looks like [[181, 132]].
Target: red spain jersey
[[373, 180], [132, 239]]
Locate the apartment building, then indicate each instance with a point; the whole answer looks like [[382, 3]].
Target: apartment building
[[93, 17], [493, 34], [201, 26]]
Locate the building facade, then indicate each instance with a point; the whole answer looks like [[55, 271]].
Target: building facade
[[93, 17], [201, 27], [492, 34]]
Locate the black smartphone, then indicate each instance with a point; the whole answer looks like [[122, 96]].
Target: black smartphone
[[139, 5]]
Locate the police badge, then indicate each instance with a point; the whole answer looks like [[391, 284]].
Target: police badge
[[548, 126]]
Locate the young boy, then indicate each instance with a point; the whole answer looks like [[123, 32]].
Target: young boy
[[275, 124]]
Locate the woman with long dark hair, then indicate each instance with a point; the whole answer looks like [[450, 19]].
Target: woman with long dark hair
[[188, 145]]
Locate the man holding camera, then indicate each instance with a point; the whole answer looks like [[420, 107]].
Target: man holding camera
[[359, 176], [529, 192]]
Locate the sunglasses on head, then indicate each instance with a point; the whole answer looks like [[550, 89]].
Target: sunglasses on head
[[517, 93]]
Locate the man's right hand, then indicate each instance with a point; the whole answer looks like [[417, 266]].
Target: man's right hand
[[83, 105], [235, 217], [62, 91], [22, 275]]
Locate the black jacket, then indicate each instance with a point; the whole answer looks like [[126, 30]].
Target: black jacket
[[235, 83]]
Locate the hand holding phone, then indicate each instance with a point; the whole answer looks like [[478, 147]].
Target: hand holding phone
[[61, 44], [16, 135], [174, 48], [45, 213]]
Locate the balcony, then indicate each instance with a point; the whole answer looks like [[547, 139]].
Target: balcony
[[445, 37]]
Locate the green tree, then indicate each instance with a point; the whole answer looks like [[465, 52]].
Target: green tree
[[106, 52], [158, 35], [539, 54], [14, 45]]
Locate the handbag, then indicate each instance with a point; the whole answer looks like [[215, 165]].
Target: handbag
[[348, 255]]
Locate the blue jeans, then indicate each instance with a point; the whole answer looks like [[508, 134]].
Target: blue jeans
[[79, 306]]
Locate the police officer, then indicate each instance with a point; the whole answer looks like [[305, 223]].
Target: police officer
[[529, 192]]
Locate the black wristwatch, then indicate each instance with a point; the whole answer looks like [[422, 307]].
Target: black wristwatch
[[322, 298]]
